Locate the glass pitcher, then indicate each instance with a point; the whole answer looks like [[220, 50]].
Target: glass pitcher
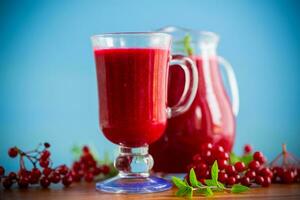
[[211, 117]]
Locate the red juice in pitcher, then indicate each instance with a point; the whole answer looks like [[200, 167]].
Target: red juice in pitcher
[[209, 119]]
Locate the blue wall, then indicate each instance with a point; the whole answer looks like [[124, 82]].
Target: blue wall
[[47, 73]]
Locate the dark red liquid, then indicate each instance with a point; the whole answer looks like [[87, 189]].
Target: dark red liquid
[[132, 94], [209, 119]]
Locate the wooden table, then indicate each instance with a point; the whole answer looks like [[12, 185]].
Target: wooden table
[[87, 192]]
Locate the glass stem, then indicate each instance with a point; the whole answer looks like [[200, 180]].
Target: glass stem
[[134, 162]]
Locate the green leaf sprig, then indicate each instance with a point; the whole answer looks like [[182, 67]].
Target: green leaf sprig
[[211, 185], [184, 45], [247, 158]]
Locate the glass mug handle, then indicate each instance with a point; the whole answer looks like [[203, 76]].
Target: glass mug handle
[[190, 86], [232, 84]]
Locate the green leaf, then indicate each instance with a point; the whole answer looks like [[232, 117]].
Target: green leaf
[[185, 191], [208, 192], [193, 178], [179, 183], [238, 188], [214, 172], [247, 159], [234, 158], [221, 185], [187, 44], [210, 182]]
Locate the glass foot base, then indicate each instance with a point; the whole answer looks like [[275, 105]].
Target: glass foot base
[[134, 185]]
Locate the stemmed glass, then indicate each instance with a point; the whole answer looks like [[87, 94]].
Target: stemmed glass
[[132, 74]]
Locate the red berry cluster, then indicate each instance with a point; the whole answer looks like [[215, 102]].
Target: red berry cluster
[[285, 167], [229, 173], [87, 168], [45, 175]]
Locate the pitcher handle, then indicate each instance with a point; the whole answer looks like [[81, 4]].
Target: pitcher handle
[[190, 87], [232, 84]]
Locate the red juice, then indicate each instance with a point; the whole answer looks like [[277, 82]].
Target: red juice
[[209, 119], [132, 94]]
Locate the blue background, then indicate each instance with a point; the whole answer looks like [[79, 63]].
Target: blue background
[[47, 72]]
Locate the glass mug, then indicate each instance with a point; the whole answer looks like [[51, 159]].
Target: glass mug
[[132, 74]]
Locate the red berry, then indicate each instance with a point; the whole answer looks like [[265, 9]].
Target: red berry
[[222, 177], [247, 148], [218, 150], [96, 171], [266, 172], [231, 180], [254, 165], [44, 163], [63, 169], [67, 180], [278, 171], [86, 149], [208, 157], [47, 171], [23, 182], [197, 158], [7, 183], [89, 177], [258, 156], [33, 179], [45, 182], [76, 166], [105, 169], [259, 180], [240, 166], [46, 145], [224, 155], [54, 177], [35, 172], [267, 181], [2, 171], [230, 170], [45, 155], [237, 178], [250, 174], [288, 176], [13, 152], [222, 164], [12, 175], [206, 146], [245, 181], [76, 177]]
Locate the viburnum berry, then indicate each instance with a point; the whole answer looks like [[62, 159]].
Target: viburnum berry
[[67, 180], [240, 166], [250, 174], [44, 163], [222, 177], [230, 170], [12, 175], [231, 180], [2, 170], [254, 165], [23, 182], [46, 145], [45, 155], [259, 180], [247, 149], [245, 181], [267, 181], [45, 182], [7, 183], [13, 152], [89, 177], [63, 169], [259, 157]]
